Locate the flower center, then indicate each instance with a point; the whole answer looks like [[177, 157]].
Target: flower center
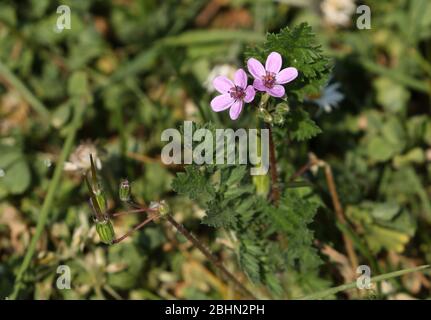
[[269, 79], [237, 93]]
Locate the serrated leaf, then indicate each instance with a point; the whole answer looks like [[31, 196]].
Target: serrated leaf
[[236, 175], [217, 217], [300, 126], [292, 218], [249, 260], [194, 184]]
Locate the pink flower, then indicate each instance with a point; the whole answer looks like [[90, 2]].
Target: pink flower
[[270, 78], [233, 94]]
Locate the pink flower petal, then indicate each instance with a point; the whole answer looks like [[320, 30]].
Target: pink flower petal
[[249, 94], [222, 84], [276, 91], [240, 78], [255, 68], [258, 85], [236, 109], [286, 75], [273, 62], [221, 102]]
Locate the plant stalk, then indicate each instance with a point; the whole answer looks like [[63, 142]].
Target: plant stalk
[[340, 215], [139, 226]]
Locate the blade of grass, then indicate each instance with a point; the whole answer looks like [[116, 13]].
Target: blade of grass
[[38, 106], [422, 62], [47, 204], [298, 184], [397, 76], [362, 248], [142, 62], [352, 285], [207, 36]]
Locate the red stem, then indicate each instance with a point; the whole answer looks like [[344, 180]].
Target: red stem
[[136, 228]]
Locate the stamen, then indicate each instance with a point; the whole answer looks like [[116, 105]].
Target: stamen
[[237, 93], [269, 80]]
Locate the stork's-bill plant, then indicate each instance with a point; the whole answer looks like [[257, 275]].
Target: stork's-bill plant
[[269, 228]]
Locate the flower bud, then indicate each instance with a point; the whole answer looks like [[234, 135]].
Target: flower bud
[[162, 207], [282, 108], [278, 118], [105, 230], [264, 100], [265, 115], [124, 190], [101, 200]]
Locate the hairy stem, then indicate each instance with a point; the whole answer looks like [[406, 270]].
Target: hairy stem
[[136, 228], [213, 259], [302, 170], [188, 235]]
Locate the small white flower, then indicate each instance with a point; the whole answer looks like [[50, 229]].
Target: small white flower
[[79, 160], [338, 12]]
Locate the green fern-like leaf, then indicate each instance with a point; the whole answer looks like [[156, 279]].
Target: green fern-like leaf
[[300, 125], [194, 184], [292, 218]]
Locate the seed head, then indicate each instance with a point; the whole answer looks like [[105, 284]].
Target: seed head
[[105, 230], [125, 190]]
